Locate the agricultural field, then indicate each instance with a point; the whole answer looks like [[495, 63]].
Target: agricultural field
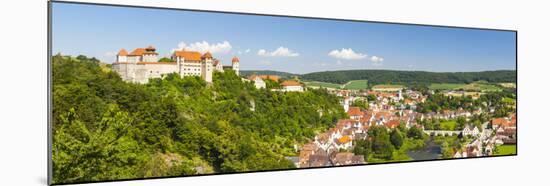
[[506, 150], [387, 87], [508, 85], [322, 84], [482, 87], [356, 85], [445, 86], [475, 86]]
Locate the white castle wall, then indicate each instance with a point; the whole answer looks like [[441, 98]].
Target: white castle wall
[[129, 68]]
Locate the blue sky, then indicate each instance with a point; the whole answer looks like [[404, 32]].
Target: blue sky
[[279, 43]]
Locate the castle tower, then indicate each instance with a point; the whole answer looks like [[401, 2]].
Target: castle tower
[[150, 54], [235, 64], [122, 56], [206, 67]]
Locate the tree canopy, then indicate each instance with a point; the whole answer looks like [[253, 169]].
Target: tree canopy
[[108, 129]]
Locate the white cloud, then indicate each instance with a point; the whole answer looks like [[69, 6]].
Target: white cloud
[[223, 47], [281, 51], [376, 59], [347, 54], [247, 51]]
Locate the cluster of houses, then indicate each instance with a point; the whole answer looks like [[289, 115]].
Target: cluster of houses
[[501, 131], [332, 147], [505, 129], [286, 85]]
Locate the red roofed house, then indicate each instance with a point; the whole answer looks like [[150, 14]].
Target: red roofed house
[[292, 86], [392, 123], [355, 113], [344, 142]]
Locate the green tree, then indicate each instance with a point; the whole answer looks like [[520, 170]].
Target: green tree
[[396, 138], [165, 59]]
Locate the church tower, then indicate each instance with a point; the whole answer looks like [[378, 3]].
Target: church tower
[[235, 64]]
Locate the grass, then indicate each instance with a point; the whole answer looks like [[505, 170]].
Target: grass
[[475, 86], [506, 150], [356, 85], [508, 85], [481, 87], [446, 86], [322, 84], [448, 125]]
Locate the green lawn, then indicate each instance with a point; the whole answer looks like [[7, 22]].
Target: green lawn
[[322, 84], [446, 86], [448, 125], [506, 150], [356, 85]]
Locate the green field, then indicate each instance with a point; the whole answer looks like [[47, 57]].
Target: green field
[[446, 86], [508, 85], [322, 84], [506, 150], [475, 86], [481, 87], [448, 125], [356, 85]]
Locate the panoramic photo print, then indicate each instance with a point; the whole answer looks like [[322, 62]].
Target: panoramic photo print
[[149, 93]]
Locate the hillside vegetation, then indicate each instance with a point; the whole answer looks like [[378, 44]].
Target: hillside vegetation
[[108, 129]]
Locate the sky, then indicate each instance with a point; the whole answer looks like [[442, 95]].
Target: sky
[[295, 45]]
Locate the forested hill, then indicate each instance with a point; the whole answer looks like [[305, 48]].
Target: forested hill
[[410, 77], [108, 129], [267, 72]]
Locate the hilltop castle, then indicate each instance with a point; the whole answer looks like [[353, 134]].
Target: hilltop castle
[[143, 63]]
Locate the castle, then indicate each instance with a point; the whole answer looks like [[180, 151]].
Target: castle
[[143, 63]]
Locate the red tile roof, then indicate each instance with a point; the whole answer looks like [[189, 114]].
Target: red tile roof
[[122, 52], [271, 77], [188, 55], [344, 139], [392, 123], [291, 83], [235, 59], [137, 52], [207, 55], [354, 111]]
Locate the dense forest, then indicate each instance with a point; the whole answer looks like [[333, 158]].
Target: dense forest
[[108, 129], [410, 77]]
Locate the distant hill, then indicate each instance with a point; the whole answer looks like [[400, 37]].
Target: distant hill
[[410, 77], [267, 72]]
